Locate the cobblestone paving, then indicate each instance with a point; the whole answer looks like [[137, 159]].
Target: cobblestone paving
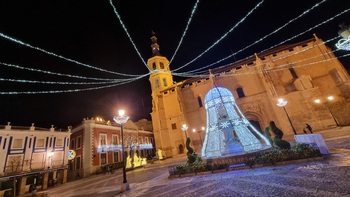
[[329, 177], [323, 178]]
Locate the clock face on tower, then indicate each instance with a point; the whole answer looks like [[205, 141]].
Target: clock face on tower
[[71, 154]]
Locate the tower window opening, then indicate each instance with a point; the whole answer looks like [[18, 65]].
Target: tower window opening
[[165, 82], [157, 83], [154, 65], [161, 65]]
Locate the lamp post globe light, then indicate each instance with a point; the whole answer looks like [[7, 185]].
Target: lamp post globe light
[[329, 98], [184, 128], [282, 103], [121, 119]]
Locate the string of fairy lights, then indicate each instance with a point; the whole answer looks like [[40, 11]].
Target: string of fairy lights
[[200, 72], [259, 40], [222, 37]]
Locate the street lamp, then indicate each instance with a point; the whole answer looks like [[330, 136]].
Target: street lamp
[[330, 98], [121, 119], [282, 103], [184, 128]]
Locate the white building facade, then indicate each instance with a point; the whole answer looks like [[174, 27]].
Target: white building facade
[[32, 156]]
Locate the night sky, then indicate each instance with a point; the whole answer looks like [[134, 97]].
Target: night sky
[[90, 32]]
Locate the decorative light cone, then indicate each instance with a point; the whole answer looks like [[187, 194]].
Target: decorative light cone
[[228, 132]]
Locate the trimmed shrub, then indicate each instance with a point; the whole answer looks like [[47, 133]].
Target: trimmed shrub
[[283, 144], [278, 132]]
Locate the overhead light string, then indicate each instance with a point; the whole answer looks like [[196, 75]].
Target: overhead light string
[[222, 37], [324, 22], [263, 38], [62, 57], [185, 31], [127, 33]]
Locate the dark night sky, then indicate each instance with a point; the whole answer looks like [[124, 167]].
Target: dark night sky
[[90, 32]]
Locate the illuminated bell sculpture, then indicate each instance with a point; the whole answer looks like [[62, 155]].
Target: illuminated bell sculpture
[[228, 132]]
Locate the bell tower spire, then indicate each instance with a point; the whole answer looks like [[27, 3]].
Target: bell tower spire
[[160, 77], [154, 45]]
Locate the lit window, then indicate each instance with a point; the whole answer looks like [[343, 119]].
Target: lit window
[[115, 139], [103, 139], [59, 142], [161, 65], [17, 143], [40, 142]]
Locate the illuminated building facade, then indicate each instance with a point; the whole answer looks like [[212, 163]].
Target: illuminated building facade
[[97, 144], [32, 156], [299, 73]]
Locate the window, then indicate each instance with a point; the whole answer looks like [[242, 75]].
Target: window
[[151, 138], [40, 143], [115, 139], [103, 139], [103, 158], [165, 82], [140, 140], [78, 163], [79, 142], [200, 103], [154, 66], [17, 143], [173, 126], [240, 93], [293, 73], [161, 65], [14, 163], [59, 142], [146, 139], [115, 156], [72, 144], [157, 83]]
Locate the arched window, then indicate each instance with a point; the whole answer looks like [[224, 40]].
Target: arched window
[[154, 66], [161, 65], [240, 93], [200, 103]]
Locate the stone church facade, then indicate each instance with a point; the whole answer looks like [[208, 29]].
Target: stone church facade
[[298, 73]]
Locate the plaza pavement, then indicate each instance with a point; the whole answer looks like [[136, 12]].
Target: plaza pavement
[[328, 177]]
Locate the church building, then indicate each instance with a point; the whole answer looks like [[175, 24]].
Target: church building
[[292, 85]]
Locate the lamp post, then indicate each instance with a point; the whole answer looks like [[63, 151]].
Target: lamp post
[[121, 119], [184, 128], [329, 98], [282, 103]]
